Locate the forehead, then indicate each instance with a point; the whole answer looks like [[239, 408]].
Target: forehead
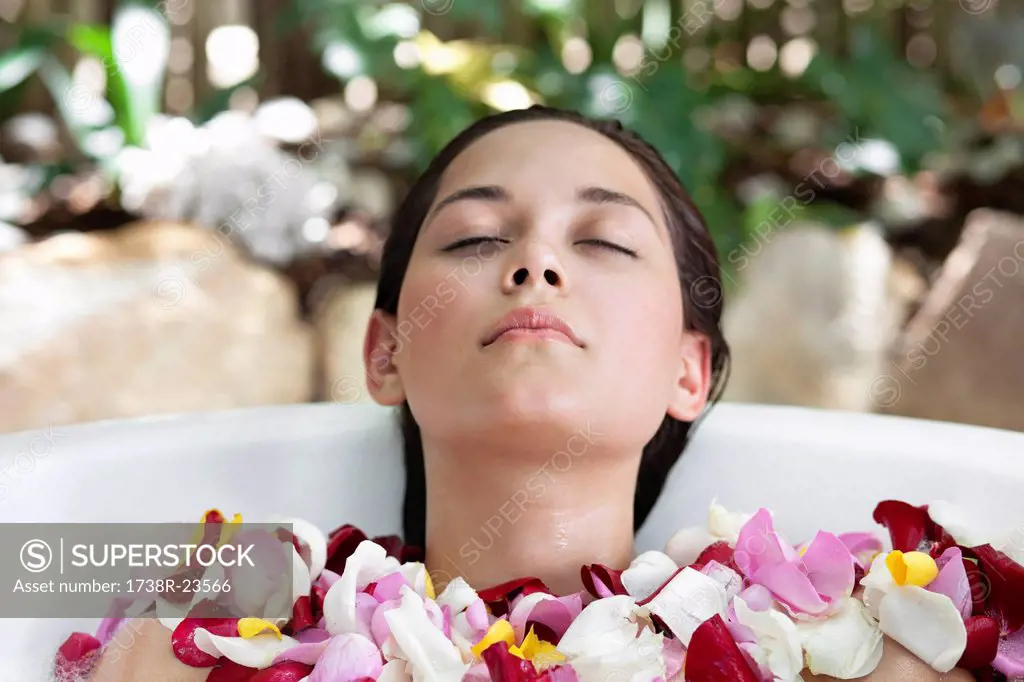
[[548, 159]]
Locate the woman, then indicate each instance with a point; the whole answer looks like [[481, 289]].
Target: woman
[[548, 287]]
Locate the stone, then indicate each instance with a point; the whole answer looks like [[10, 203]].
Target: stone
[[341, 316], [814, 313], [961, 358], [152, 318]]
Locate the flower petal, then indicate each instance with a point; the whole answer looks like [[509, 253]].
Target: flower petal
[[647, 573], [341, 544], [724, 524], [846, 645], [829, 566], [503, 666], [758, 545], [288, 671], [308, 653], [315, 543], [792, 587], [686, 544], [257, 652], [429, 652], [394, 671], [1010, 655], [863, 546], [77, 656], [499, 597], [601, 581], [686, 601], [347, 658], [777, 635], [982, 643], [603, 625], [907, 524], [926, 624], [366, 564], [185, 647], [1006, 584], [714, 657], [877, 583], [952, 580]]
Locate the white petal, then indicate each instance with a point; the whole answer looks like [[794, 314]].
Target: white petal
[[724, 524], [415, 574], [777, 635], [366, 564], [638, 661], [315, 539], [877, 583], [394, 671], [430, 654], [255, 652], [846, 645], [457, 595], [647, 573], [686, 545], [688, 600], [730, 580], [603, 625], [926, 623]]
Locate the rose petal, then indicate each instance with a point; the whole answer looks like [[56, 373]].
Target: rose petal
[[312, 636], [603, 625], [730, 580], [308, 653], [863, 546], [673, 652], [255, 652], [499, 597], [183, 639], [952, 580], [315, 544], [686, 601], [342, 544], [394, 671], [982, 642], [1006, 585], [714, 657], [369, 562], [926, 624], [687, 543], [601, 581], [907, 524], [302, 615], [759, 545], [776, 635], [229, 671], [846, 645], [829, 566], [389, 587], [347, 658], [426, 648], [289, 671], [719, 552], [792, 587], [1009, 658], [646, 573], [724, 524], [76, 656]]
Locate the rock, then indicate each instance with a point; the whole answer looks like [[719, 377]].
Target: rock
[[814, 317], [341, 316], [960, 359], [156, 317]]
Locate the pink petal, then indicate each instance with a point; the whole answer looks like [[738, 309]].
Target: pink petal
[[829, 566], [952, 580], [288, 671], [1010, 655], [347, 658], [758, 545], [366, 606], [308, 653], [757, 597], [790, 586], [328, 578], [863, 546], [390, 587], [552, 614], [312, 636], [672, 652], [476, 616], [379, 627]]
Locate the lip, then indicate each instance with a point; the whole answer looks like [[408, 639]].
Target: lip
[[535, 323]]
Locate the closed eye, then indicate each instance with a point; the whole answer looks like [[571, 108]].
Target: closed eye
[[611, 246], [472, 241]]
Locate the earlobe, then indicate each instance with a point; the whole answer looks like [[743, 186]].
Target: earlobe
[[379, 350], [693, 384]]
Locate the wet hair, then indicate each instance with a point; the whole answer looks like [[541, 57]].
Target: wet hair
[[696, 263]]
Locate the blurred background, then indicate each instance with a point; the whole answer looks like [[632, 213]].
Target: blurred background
[[194, 194]]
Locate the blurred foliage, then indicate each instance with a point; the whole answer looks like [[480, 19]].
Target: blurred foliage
[[868, 92]]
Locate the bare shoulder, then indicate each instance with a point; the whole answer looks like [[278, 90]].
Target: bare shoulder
[[142, 650], [899, 665]]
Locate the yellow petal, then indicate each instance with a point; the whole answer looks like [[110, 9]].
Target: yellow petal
[[911, 568], [542, 654], [501, 631], [430, 588], [250, 627]]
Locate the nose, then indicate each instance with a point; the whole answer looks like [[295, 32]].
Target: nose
[[536, 269]]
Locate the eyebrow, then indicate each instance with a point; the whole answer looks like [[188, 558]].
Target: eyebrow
[[497, 193]]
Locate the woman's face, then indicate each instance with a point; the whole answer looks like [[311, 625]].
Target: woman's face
[[551, 217]]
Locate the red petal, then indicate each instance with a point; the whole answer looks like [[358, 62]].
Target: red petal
[[978, 584], [504, 667], [718, 551], [340, 546], [982, 642], [76, 656], [610, 577], [302, 615], [213, 516], [229, 671], [319, 594], [183, 639], [498, 597], [285, 671], [714, 657], [908, 525], [394, 546], [1005, 579]]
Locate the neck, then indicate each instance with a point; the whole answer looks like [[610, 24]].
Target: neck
[[512, 514]]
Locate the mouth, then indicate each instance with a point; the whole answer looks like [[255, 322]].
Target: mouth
[[532, 324]]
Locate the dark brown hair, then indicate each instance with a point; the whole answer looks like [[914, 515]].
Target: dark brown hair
[[696, 263]]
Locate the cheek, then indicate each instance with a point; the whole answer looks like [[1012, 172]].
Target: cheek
[[434, 308]]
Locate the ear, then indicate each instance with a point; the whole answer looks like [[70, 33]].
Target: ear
[[379, 350], [694, 381]]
